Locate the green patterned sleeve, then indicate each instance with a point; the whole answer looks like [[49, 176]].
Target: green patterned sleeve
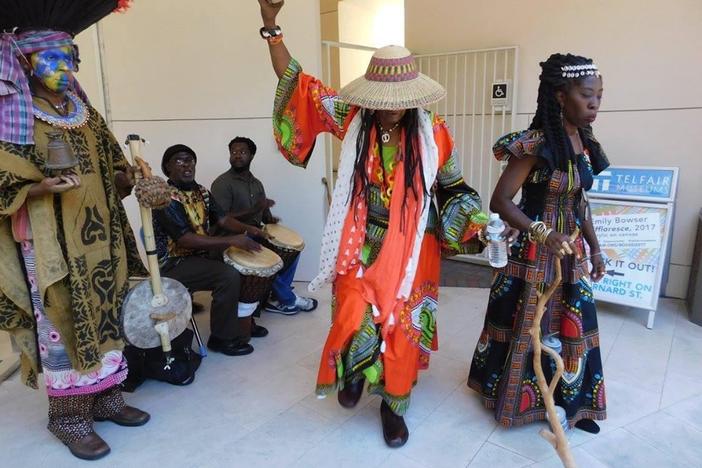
[[460, 212]]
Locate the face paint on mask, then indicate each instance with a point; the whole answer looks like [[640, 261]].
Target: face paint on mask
[[54, 68]]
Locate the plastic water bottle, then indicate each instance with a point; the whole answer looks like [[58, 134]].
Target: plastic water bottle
[[552, 342], [497, 246], [562, 418]]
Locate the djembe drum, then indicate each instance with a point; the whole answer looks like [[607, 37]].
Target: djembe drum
[[257, 271], [285, 242]]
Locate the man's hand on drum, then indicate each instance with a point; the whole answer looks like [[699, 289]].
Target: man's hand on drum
[[244, 242], [265, 204], [257, 233]]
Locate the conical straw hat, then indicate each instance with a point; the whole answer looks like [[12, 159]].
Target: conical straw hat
[[392, 82]]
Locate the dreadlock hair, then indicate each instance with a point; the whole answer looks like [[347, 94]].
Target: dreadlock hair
[[410, 154], [548, 116]]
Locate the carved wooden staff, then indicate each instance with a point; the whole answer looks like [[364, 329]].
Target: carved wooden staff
[[556, 436]]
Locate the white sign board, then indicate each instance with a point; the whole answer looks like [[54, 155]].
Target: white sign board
[[631, 237]]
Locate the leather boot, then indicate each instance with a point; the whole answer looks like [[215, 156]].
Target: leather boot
[[90, 447], [395, 430], [128, 416], [349, 396]]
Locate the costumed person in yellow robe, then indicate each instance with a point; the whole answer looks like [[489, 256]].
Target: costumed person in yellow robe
[[66, 245]]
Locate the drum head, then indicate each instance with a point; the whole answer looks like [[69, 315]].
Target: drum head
[[137, 324], [284, 237], [265, 262]]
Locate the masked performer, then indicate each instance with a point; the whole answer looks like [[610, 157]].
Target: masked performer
[[67, 248]]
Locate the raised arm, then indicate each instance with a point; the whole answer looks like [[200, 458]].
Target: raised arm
[[280, 57], [304, 107]]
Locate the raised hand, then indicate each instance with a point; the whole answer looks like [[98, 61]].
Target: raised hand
[[269, 11]]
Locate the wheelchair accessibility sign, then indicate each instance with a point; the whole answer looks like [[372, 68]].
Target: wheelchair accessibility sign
[[501, 95]]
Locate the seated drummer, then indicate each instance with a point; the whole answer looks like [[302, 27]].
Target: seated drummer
[[188, 252], [242, 195]]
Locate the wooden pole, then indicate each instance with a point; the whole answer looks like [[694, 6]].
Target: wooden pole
[[556, 436], [159, 299]]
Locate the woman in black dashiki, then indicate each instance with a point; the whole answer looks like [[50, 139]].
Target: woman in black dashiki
[[553, 162]]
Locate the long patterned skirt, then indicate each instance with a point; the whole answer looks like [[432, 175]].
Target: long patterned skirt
[[60, 377], [354, 348], [502, 371]]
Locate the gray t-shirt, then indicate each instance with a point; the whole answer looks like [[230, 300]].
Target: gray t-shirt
[[236, 192]]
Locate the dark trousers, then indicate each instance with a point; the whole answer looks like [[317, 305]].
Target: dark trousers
[[206, 274]]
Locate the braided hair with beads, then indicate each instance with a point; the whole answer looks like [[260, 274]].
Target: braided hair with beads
[[549, 119]]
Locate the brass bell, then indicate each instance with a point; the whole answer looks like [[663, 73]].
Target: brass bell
[[60, 155]]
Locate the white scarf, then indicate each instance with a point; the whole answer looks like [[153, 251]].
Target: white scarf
[[341, 202]]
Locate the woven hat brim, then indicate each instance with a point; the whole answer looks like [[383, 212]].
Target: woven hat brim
[[377, 95]]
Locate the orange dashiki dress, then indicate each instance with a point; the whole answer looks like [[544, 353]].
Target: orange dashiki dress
[[385, 345]]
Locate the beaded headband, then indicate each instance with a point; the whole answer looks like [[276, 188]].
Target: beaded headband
[[576, 71]]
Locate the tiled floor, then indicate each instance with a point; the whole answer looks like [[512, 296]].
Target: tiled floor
[[260, 410], [459, 274]]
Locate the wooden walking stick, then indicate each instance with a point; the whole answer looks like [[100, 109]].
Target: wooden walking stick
[[556, 436]]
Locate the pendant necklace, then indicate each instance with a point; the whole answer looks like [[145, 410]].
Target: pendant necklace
[[385, 134]]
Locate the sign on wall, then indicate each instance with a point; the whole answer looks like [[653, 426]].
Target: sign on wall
[[640, 183], [501, 95]]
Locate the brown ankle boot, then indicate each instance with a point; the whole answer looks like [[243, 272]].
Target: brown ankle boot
[[128, 416], [349, 396], [90, 447], [395, 430]]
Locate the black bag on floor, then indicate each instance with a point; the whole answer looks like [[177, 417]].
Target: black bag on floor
[[151, 363]]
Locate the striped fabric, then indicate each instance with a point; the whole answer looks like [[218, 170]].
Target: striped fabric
[[392, 70]]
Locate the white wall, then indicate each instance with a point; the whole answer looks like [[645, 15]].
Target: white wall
[[178, 72], [372, 23], [649, 54]]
